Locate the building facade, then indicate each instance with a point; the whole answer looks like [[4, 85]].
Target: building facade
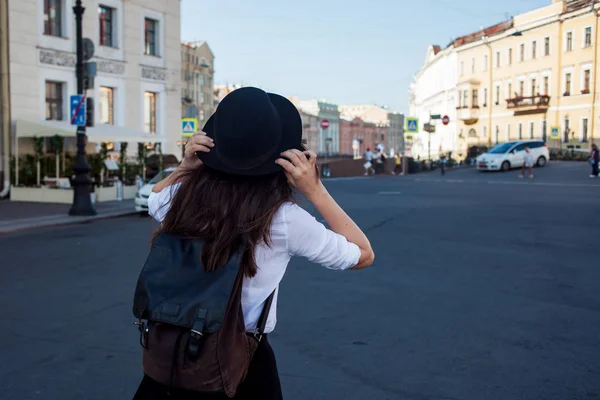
[[197, 81], [356, 136], [329, 138], [395, 133], [380, 117], [137, 87], [433, 91], [531, 75]]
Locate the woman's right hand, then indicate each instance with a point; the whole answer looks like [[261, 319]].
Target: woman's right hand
[[302, 172], [198, 142]]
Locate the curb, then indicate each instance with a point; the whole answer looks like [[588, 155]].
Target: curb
[[60, 221]]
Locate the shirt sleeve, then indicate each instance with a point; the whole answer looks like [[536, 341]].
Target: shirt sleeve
[[160, 203], [306, 237]]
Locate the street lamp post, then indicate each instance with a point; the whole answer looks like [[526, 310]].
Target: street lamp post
[[82, 202]]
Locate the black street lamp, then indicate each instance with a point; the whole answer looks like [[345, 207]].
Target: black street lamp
[[82, 202]]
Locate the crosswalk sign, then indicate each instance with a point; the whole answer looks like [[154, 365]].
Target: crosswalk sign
[[189, 126], [412, 125], [554, 133]]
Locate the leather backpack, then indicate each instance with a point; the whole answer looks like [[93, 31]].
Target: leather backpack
[[191, 324]]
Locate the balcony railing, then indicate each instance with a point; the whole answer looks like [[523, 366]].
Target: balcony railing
[[539, 102]]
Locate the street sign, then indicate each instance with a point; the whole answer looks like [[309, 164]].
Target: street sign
[[436, 116], [429, 128], [412, 125], [88, 49], [189, 126], [77, 110], [325, 124], [554, 133], [446, 120], [409, 137]]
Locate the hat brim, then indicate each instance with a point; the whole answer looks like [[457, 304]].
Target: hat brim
[[291, 138]]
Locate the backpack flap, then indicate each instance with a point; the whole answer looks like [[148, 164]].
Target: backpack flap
[[174, 287]]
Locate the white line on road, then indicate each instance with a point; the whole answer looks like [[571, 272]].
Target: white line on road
[[525, 182], [389, 193]]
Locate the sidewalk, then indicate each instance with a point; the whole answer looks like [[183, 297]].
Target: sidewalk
[[17, 216]]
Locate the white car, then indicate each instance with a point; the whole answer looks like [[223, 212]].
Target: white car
[[509, 155], [141, 197]]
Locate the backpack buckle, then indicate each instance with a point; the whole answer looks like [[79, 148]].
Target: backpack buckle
[[193, 344], [143, 333]]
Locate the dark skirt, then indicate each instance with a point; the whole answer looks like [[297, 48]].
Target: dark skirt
[[262, 382]]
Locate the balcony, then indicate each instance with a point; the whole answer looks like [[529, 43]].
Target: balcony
[[529, 104], [468, 114]]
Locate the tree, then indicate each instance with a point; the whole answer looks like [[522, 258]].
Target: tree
[[141, 158], [38, 147], [122, 157], [103, 156], [57, 143], [160, 157]]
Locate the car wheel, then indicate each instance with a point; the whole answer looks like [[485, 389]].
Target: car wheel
[[505, 166], [541, 162]]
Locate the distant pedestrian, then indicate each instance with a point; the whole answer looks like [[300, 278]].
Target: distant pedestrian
[[229, 226], [379, 160], [398, 167], [443, 165], [368, 165], [527, 163], [594, 160]]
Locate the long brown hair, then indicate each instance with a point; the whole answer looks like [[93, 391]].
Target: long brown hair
[[229, 213]]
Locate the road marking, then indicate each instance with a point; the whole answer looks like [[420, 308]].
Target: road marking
[[389, 193], [526, 181]]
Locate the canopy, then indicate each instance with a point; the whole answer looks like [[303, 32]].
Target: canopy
[[97, 134]]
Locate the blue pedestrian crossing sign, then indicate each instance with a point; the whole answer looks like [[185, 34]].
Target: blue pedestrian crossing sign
[[554, 133], [189, 126], [412, 125], [77, 110]]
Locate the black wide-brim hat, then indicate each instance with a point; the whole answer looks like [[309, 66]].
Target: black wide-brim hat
[[250, 129]]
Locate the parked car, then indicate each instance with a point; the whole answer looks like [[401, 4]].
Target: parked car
[[506, 156], [141, 198]]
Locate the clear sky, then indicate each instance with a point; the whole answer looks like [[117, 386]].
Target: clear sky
[[348, 52]]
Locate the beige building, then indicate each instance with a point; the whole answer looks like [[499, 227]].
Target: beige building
[[529, 76], [197, 81]]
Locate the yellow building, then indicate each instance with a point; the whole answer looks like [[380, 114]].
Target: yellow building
[[521, 78]]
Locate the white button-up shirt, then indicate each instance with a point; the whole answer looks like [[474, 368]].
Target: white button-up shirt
[[294, 232]]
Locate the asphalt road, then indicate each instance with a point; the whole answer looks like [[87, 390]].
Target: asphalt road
[[485, 287]]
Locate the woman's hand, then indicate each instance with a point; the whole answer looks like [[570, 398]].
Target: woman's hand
[[302, 172], [198, 142]]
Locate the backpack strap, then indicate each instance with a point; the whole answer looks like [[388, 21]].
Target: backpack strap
[[264, 315], [194, 341]]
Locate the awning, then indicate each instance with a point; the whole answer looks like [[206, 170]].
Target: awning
[[97, 134]]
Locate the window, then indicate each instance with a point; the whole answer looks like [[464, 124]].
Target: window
[[202, 115], [472, 65], [584, 130], [568, 84], [587, 42], [533, 86], [534, 49], [521, 88], [509, 56], [507, 132], [522, 52], [106, 17], [201, 98], [531, 130], [546, 85], [485, 131], [465, 99], [53, 17], [547, 46], [510, 93], [520, 131], [475, 98], [586, 81], [497, 138], [54, 101], [201, 79], [544, 127], [567, 130], [151, 37], [569, 44], [485, 97], [107, 105], [462, 68], [497, 59], [150, 104], [485, 62], [497, 94]]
